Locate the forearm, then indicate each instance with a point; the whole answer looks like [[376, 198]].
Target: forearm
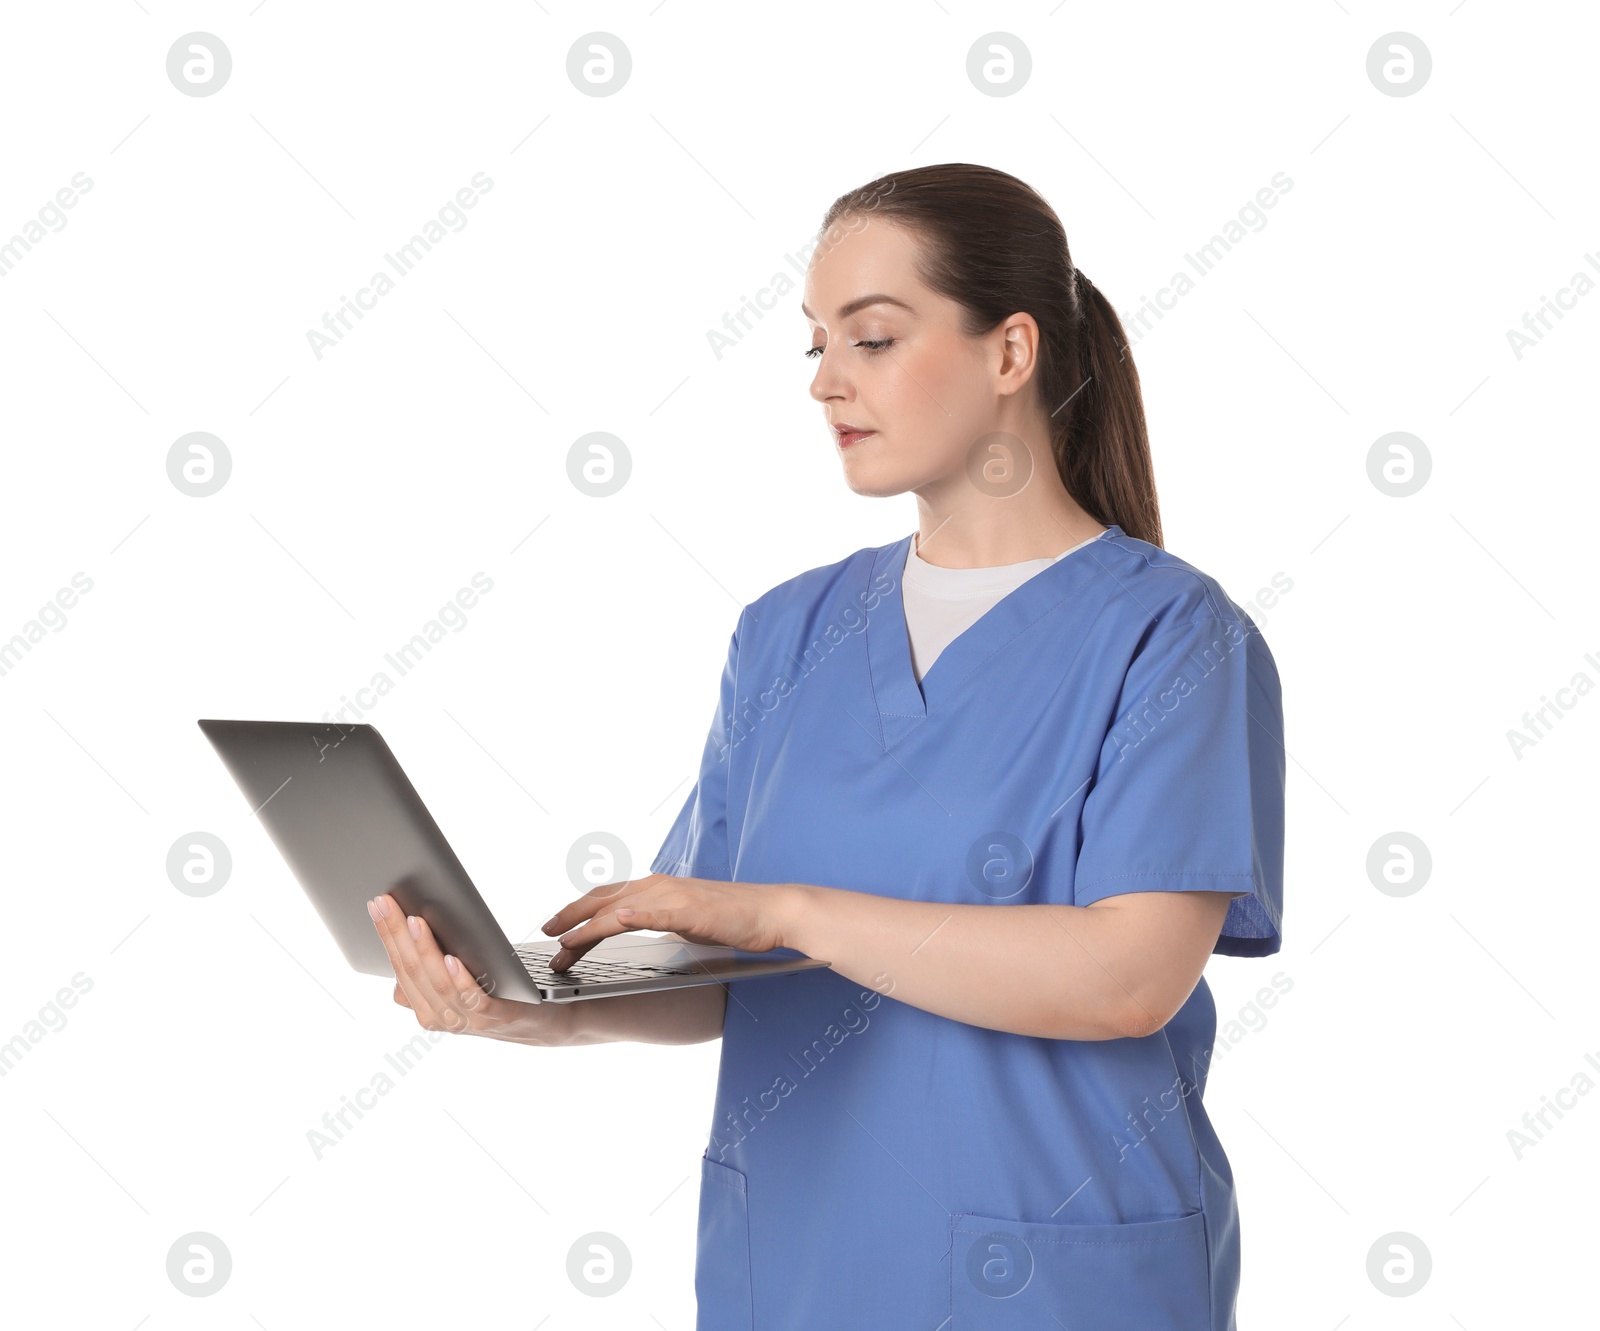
[[690, 1015], [1063, 972]]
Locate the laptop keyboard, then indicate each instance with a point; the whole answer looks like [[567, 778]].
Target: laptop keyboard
[[590, 970]]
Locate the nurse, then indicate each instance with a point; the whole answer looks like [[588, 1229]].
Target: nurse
[[1016, 775]]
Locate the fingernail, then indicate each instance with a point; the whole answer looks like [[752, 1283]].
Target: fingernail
[[382, 905], [372, 909], [451, 964], [415, 925], [550, 924], [567, 937]]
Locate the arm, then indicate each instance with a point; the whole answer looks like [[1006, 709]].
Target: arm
[[1121, 967]]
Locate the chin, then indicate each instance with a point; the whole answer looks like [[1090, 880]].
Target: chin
[[882, 477], [876, 482]]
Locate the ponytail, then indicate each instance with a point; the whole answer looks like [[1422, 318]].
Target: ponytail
[[1101, 445]]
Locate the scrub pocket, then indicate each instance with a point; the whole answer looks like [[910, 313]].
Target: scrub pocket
[[1019, 1275], [722, 1260]]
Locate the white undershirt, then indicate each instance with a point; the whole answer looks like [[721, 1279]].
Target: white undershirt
[[942, 603]]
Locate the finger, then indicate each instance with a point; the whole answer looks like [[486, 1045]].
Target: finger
[[448, 1002], [472, 994], [490, 1012], [478, 1011], [577, 941], [428, 982], [385, 914], [582, 908]]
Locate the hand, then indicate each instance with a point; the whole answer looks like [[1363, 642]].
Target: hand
[[442, 992], [754, 917]]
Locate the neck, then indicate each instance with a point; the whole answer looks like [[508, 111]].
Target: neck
[[984, 531]]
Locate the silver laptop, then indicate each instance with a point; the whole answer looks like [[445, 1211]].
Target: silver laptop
[[344, 816]]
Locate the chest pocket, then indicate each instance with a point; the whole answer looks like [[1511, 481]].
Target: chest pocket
[[722, 1260], [1013, 1275]]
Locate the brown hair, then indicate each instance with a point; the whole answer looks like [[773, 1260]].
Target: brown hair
[[994, 246]]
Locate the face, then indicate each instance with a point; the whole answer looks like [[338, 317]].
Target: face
[[900, 368]]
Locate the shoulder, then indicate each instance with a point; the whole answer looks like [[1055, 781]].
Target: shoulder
[[1166, 613], [852, 585], [1163, 590]]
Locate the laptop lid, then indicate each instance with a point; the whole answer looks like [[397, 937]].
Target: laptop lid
[[348, 822]]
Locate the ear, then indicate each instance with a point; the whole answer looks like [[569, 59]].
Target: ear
[[1019, 353]]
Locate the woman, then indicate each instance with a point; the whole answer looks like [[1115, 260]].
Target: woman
[[1015, 775]]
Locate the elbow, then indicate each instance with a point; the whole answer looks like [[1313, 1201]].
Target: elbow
[[1139, 1020], [1121, 1019]]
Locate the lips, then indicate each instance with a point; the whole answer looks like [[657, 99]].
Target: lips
[[849, 434]]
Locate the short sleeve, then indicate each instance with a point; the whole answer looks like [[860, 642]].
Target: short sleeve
[[1188, 791], [697, 845]]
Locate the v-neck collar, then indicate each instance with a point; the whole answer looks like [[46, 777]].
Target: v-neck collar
[[901, 701]]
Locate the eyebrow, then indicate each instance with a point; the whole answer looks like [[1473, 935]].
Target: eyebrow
[[860, 303]]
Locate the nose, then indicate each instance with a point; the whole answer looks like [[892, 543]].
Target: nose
[[827, 384]]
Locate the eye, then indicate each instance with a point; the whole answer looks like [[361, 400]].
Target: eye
[[878, 344]]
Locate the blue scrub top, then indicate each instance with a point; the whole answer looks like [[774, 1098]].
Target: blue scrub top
[[1114, 724]]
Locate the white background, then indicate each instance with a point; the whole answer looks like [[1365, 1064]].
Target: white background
[[369, 485]]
